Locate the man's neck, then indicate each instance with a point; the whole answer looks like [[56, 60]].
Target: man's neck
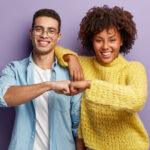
[[44, 61]]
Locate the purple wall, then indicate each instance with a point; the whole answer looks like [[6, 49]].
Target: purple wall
[[15, 22]]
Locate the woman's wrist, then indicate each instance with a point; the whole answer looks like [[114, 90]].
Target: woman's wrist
[[68, 57], [89, 83]]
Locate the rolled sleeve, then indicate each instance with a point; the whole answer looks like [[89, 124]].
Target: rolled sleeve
[[7, 79], [60, 52], [75, 113]]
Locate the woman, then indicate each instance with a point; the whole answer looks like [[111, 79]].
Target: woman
[[115, 89]]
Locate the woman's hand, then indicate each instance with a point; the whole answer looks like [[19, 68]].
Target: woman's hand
[[75, 69], [79, 86]]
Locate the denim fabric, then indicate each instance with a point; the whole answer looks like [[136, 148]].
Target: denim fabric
[[64, 111]]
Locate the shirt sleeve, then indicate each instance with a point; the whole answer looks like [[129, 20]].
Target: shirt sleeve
[[7, 79], [60, 52], [130, 97], [75, 113]]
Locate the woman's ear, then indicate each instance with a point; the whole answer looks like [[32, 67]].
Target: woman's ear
[[121, 42]]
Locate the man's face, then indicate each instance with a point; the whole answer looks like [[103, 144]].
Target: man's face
[[45, 35]]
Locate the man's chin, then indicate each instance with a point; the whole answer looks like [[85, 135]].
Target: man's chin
[[43, 51]]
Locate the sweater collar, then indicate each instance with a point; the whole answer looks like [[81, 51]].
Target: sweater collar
[[118, 61]]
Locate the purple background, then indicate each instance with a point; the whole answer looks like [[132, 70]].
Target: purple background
[[15, 22]]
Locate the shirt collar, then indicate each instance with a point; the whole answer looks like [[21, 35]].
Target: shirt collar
[[53, 65], [30, 58], [55, 62]]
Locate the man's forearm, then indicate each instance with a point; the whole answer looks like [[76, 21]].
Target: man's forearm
[[16, 95]]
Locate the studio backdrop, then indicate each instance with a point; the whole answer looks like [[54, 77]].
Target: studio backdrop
[[15, 44]]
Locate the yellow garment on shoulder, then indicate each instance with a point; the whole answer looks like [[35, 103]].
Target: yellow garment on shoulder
[[109, 119]]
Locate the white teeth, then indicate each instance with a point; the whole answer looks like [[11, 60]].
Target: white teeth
[[43, 42], [106, 54]]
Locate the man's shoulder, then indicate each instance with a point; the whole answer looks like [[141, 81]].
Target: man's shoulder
[[18, 64], [23, 61]]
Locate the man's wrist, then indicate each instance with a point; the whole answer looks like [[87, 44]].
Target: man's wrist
[[49, 85]]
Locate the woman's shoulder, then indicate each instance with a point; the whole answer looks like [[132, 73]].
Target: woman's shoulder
[[129, 64], [87, 59], [135, 66]]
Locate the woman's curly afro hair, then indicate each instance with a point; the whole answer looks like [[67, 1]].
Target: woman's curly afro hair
[[99, 18]]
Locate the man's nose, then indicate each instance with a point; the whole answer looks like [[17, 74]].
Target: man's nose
[[44, 34]]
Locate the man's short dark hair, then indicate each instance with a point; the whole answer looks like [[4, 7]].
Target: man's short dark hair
[[48, 13]]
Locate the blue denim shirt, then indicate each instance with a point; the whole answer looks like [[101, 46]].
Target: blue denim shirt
[[64, 111]]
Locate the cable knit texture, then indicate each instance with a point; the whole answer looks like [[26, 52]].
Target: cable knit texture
[[109, 119]]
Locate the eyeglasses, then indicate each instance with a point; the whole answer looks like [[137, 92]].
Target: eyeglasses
[[51, 32]]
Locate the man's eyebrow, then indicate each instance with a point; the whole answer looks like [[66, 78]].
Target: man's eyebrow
[[50, 28], [38, 26]]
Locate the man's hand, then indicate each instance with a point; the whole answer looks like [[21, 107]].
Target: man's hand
[[61, 87], [16, 95], [75, 69], [79, 86]]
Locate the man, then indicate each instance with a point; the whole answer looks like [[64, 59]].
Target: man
[[44, 119]]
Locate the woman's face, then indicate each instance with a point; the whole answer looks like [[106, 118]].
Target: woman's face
[[106, 45]]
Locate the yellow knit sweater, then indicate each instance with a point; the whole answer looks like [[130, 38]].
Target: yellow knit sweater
[[109, 119]]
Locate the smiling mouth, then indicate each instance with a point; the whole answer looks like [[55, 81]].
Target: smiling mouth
[[106, 54], [44, 43]]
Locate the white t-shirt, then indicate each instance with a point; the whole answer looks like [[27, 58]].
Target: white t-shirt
[[41, 108]]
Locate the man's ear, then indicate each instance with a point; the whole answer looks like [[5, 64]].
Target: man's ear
[[30, 33], [59, 36]]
